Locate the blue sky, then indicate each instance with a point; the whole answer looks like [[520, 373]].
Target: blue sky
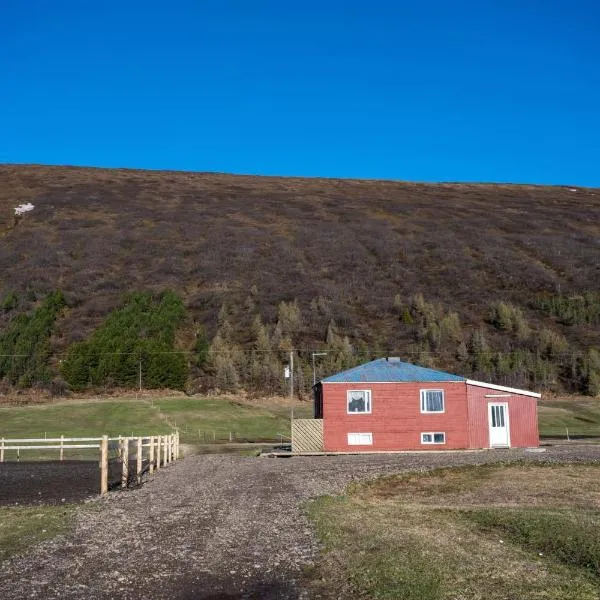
[[434, 90]]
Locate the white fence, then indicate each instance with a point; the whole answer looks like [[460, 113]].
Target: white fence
[[160, 450]]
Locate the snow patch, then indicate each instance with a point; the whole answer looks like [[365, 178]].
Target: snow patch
[[23, 208]]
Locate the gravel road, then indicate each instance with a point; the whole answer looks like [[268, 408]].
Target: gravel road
[[214, 527]]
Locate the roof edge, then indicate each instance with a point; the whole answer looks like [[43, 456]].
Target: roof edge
[[502, 388], [398, 382]]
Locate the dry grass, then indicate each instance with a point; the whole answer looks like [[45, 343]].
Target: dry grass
[[467, 533]]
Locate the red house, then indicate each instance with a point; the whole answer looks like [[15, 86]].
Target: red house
[[388, 404]]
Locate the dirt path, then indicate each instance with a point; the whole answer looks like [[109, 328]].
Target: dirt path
[[212, 527]]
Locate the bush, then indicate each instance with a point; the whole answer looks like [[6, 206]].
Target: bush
[[9, 302]]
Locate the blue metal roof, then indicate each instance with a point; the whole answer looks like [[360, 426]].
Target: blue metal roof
[[389, 370]]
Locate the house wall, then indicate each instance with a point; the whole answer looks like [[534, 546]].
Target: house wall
[[522, 414], [396, 421]]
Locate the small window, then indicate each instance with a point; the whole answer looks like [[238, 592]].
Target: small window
[[433, 438], [360, 439], [359, 401], [432, 401]]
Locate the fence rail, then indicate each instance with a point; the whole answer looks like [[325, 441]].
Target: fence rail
[[162, 450]]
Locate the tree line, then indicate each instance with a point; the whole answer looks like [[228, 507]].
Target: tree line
[[143, 339]]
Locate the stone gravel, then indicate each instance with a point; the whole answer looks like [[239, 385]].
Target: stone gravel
[[215, 527]]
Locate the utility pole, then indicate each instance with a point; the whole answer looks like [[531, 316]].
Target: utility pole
[[292, 383]]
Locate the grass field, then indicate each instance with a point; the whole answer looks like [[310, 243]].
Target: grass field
[[24, 526], [198, 419], [491, 532], [580, 415]]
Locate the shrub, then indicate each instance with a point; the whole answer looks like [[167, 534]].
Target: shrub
[[9, 302]]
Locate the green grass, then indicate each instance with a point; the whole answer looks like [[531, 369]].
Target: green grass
[[572, 537], [198, 419], [23, 527], [468, 533], [197, 416], [581, 416]]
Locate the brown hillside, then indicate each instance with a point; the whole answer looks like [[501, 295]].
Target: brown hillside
[[354, 245]]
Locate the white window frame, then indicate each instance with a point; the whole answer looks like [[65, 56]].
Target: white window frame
[[424, 404], [361, 443], [369, 402], [433, 434]]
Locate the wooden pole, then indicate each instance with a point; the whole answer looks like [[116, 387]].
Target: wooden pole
[[138, 464], [151, 455], [157, 452], [177, 448], [2, 450], [104, 465], [125, 462], [168, 449], [62, 442], [292, 385]]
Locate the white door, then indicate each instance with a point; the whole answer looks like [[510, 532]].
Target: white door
[[498, 421]]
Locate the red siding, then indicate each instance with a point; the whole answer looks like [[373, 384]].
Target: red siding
[[522, 415], [396, 421]]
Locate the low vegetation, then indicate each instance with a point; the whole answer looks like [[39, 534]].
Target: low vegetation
[[494, 532], [22, 527]]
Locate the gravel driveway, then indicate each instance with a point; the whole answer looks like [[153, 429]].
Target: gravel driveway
[[218, 527]]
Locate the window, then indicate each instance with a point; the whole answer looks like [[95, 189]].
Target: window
[[359, 401], [432, 401], [433, 438], [360, 439]]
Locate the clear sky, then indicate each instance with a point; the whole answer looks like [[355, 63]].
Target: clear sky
[[428, 90]]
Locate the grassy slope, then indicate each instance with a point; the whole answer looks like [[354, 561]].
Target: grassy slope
[[581, 416], [353, 244], [127, 416], [464, 533]]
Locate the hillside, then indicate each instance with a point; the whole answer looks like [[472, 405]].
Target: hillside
[[351, 259]]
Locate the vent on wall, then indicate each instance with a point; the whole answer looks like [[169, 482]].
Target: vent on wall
[[392, 358]]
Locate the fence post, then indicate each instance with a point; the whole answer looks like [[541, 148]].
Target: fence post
[[151, 455], [62, 444], [177, 447], [138, 464], [125, 462], [168, 448], [2, 450], [104, 465], [120, 448], [158, 452]]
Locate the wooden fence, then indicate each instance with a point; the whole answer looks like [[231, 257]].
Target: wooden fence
[[307, 435], [160, 450]]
